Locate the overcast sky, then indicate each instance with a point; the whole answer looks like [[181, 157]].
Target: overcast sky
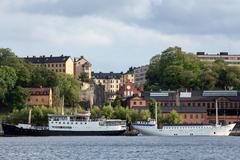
[[116, 34]]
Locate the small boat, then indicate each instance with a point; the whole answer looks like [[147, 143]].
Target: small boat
[[150, 128], [69, 125]]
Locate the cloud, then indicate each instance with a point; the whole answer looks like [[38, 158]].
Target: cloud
[[119, 34]]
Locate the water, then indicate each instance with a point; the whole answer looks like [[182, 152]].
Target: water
[[120, 148]]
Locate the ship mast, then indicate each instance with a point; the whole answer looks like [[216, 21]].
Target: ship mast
[[30, 116], [216, 105], [156, 114]]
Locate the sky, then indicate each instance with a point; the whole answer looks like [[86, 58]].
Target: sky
[[116, 34]]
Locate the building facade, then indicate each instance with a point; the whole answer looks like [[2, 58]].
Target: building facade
[[39, 96], [129, 89], [82, 66], [228, 102], [230, 59], [140, 75], [60, 64], [128, 76], [111, 82], [136, 102]]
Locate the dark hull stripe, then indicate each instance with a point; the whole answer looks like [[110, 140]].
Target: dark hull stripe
[[11, 130]]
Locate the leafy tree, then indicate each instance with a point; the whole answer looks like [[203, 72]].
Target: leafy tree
[[108, 112], [96, 112], [173, 118], [120, 112]]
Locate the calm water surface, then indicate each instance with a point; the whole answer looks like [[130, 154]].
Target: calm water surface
[[120, 148]]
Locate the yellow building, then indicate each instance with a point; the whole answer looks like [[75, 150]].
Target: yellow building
[[81, 65], [62, 64], [111, 82], [233, 59], [128, 77]]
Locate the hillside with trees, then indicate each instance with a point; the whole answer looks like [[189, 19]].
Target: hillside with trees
[[175, 69], [16, 74]]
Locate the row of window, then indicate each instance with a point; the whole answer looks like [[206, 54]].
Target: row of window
[[53, 65], [195, 115], [140, 103], [111, 81], [69, 123], [58, 70], [37, 100], [208, 105]]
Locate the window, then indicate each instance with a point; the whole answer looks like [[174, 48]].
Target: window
[[134, 103], [52, 65], [56, 65], [185, 116], [63, 70], [42, 99], [60, 70], [28, 99], [48, 65], [140, 102], [196, 116], [63, 65], [191, 116], [36, 100], [60, 65], [56, 70]]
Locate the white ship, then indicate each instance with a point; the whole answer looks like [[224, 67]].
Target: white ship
[[69, 125], [150, 128]]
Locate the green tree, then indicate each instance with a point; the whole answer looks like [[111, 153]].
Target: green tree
[[173, 118], [96, 112], [108, 111], [120, 113]]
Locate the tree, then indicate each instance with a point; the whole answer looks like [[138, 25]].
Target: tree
[[173, 118], [120, 112], [108, 111], [96, 112], [173, 69]]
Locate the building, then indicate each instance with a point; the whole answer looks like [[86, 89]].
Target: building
[[136, 102], [82, 66], [230, 59], [39, 96], [111, 82], [128, 76], [140, 75], [228, 102], [129, 89], [60, 64], [189, 115]]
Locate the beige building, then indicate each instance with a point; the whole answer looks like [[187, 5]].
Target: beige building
[[62, 64], [140, 75], [128, 77], [81, 66], [233, 59], [111, 82]]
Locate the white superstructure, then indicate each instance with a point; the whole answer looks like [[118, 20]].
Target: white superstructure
[[82, 122]]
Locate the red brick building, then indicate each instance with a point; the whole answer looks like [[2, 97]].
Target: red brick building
[[228, 102], [129, 89], [136, 102], [39, 96], [189, 115]]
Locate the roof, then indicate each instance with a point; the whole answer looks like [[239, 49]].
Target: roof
[[110, 75], [184, 109], [39, 91], [194, 96], [43, 59]]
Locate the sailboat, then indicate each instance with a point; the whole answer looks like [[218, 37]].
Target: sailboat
[[151, 128]]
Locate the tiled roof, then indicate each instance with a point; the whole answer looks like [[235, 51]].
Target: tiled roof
[[43, 59], [110, 75], [38, 91]]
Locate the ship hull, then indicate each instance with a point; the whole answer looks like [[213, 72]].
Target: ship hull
[[12, 130], [199, 130]]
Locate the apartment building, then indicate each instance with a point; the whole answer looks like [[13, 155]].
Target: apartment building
[[140, 75], [128, 76], [81, 65], [230, 59], [111, 82], [60, 64]]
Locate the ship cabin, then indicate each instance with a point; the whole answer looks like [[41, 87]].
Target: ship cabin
[[84, 116]]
